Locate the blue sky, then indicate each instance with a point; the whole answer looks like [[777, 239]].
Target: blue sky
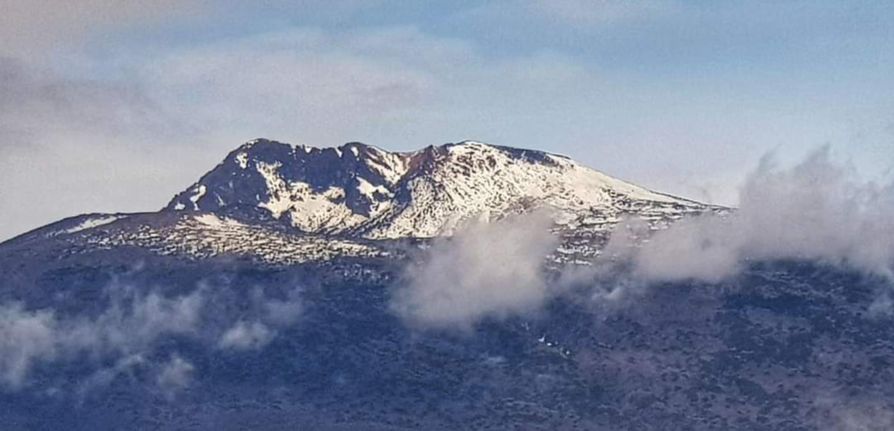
[[115, 105]]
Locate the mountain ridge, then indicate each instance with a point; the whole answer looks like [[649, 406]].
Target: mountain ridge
[[366, 191], [284, 204]]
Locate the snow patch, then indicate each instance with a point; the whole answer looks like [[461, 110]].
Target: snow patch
[[310, 210], [91, 223], [215, 221], [392, 167], [242, 160], [198, 191], [276, 186], [369, 190]]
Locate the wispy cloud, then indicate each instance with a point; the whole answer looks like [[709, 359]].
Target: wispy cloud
[[49, 149], [279, 312], [24, 337], [134, 322], [246, 336], [175, 375], [485, 270], [39, 105], [305, 74], [128, 329], [30, 26], [818, 210], [103, 377], [843, 414]]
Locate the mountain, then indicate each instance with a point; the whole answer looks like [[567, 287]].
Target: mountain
[[285, 204], [264, 297], [361, 190]]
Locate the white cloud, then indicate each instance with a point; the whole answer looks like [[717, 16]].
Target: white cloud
[[485, 270], [882, 306], [704, 248], [175, 375], [130, 326], [817, 210], [129, 329], [855, 415], [246, 336], [607, 278], [259, 327], [133, 322], [24, 337], [282, 312], [105, 376]]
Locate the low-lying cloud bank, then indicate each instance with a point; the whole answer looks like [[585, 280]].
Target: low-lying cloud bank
[[817, 210], [131, 326], [30, 336], [485, 270], [846, 414]]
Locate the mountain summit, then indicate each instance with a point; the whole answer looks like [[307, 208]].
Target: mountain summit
[[365, 191], [285, 204]]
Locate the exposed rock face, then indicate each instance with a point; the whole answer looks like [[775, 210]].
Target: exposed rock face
[[365, 191], [281, 204]]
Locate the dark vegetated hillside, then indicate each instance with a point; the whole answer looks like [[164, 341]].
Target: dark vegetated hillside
[[772, 349]]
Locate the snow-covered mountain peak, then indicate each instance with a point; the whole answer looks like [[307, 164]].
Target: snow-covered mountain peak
[[363, 190], [286, 204]]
